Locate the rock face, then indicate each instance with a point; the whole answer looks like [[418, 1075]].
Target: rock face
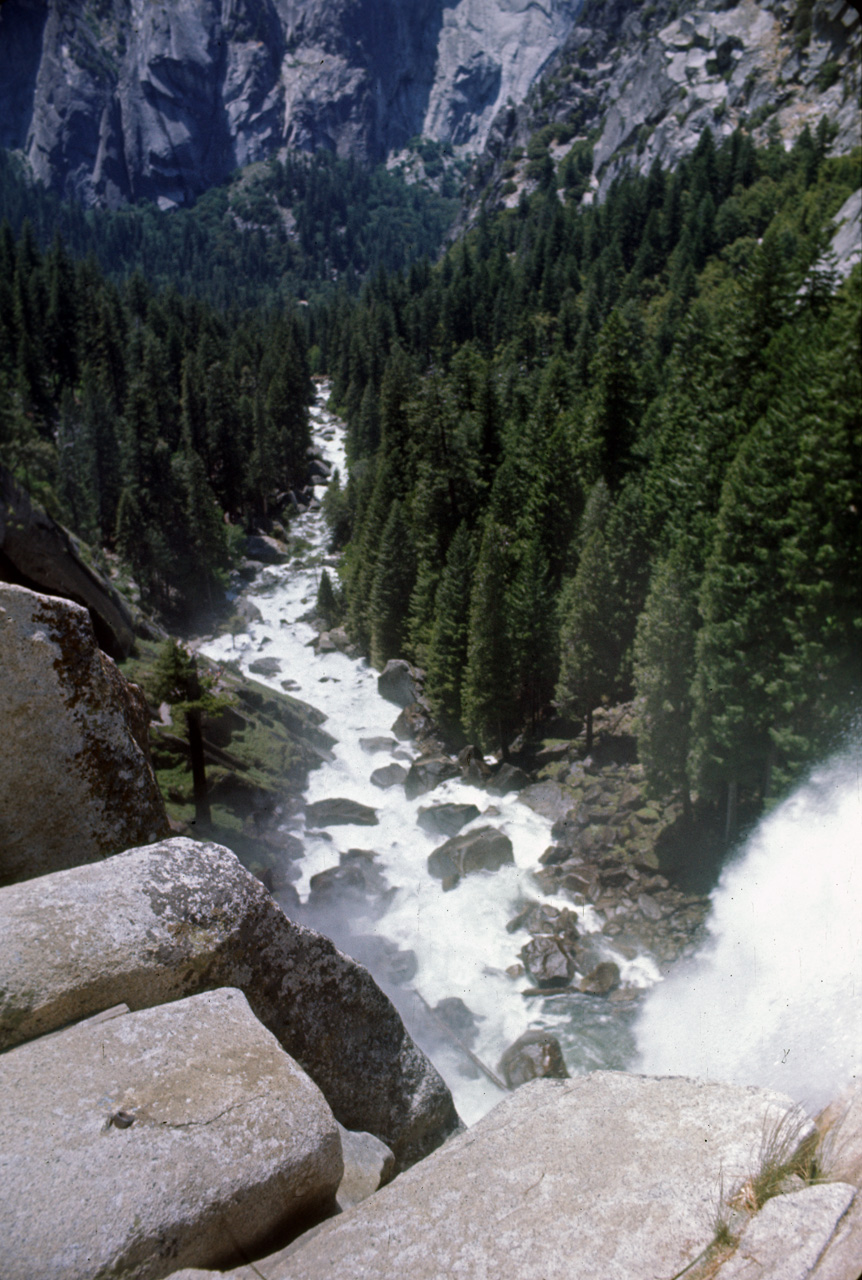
[[155, 924], [606, 1175], [127, 99], [244, 1144], [76, 782], [37, 552]]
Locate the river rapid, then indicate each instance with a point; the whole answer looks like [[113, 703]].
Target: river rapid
[[424, 945]]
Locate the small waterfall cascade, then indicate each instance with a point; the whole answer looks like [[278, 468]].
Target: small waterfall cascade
[[774, 997]]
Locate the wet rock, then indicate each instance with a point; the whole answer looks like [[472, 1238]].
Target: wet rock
[[535, 1055], [472, 764], [554, 855], [604, 978], [458, 1018], [388, 776], [325, 643], [247, 611], [485, 849], [508, 778], [76, 782], [339, 812], [414, 722], [155, 924], [266, 550], [269, 667], [428, 773], [372, 745], [541, 918], [446, 819], [547, 963], [398, 682], [355, 878], [243, 1142]]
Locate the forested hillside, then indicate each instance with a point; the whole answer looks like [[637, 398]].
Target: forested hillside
[[275, 233], [142, 419], [616, 449]]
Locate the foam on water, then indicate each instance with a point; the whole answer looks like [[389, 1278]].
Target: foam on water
[[459, 938], [775, 997]]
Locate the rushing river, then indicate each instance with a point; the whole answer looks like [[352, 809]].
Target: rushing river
[[455, 944]]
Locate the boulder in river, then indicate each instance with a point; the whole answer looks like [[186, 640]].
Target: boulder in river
[[398, 682], [428, 773], [536, 1055], [266, 550], [389, 775], [356, 878], [603, 979], [485, 849], [182, 1135], [547, 962], [458, 1018], [155, 924], [372, 745], [269, 667], [446, 819], [338, 813]]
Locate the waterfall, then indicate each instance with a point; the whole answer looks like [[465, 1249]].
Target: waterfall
[[774, 997]]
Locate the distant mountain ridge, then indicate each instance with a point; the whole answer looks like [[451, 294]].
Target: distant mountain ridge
[[114, 100]]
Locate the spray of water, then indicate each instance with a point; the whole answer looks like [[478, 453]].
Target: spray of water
[[775, 996]]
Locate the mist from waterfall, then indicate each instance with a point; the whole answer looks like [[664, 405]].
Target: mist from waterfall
[[774, 997]]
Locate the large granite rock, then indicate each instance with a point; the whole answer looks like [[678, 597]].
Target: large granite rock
[[175, 100], [606, 1175], [76, 782], [339, 812], [787, 1237], [398, 683], [37, 552], [182, 1135], [155, 924]]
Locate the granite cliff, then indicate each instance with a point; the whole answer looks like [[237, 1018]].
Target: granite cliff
[[123, 99]]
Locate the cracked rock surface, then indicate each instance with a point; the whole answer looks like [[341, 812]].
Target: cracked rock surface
[[188, 1134]]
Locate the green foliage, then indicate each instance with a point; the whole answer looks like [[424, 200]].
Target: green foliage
[[664, 352]]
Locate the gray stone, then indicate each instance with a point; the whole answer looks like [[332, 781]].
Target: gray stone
[[76, 782], [508, 778], [372, 745], [840, 1259], [182, 1135], [484, 849], [339, 812], [428, 773], [368, 1165], [603, 979], [536, 1055], [41, 554], [270, 667], [390, 775], [548, 964], [266, 550], [550, 799], [446, 819], [155, 924], [606, 1175], [785, 1239], [397, 683]]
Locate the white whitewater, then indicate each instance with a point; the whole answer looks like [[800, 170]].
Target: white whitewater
[[775, 996], [459, 938]]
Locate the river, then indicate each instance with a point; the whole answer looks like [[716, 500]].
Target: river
[[425, 945]]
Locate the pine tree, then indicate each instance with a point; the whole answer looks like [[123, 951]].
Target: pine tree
[[488, 694], [394, 575], [447, 652]]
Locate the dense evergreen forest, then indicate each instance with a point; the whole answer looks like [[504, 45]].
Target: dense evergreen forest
[[596, 451], [151, 424], [615, 450], [277, 232]]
